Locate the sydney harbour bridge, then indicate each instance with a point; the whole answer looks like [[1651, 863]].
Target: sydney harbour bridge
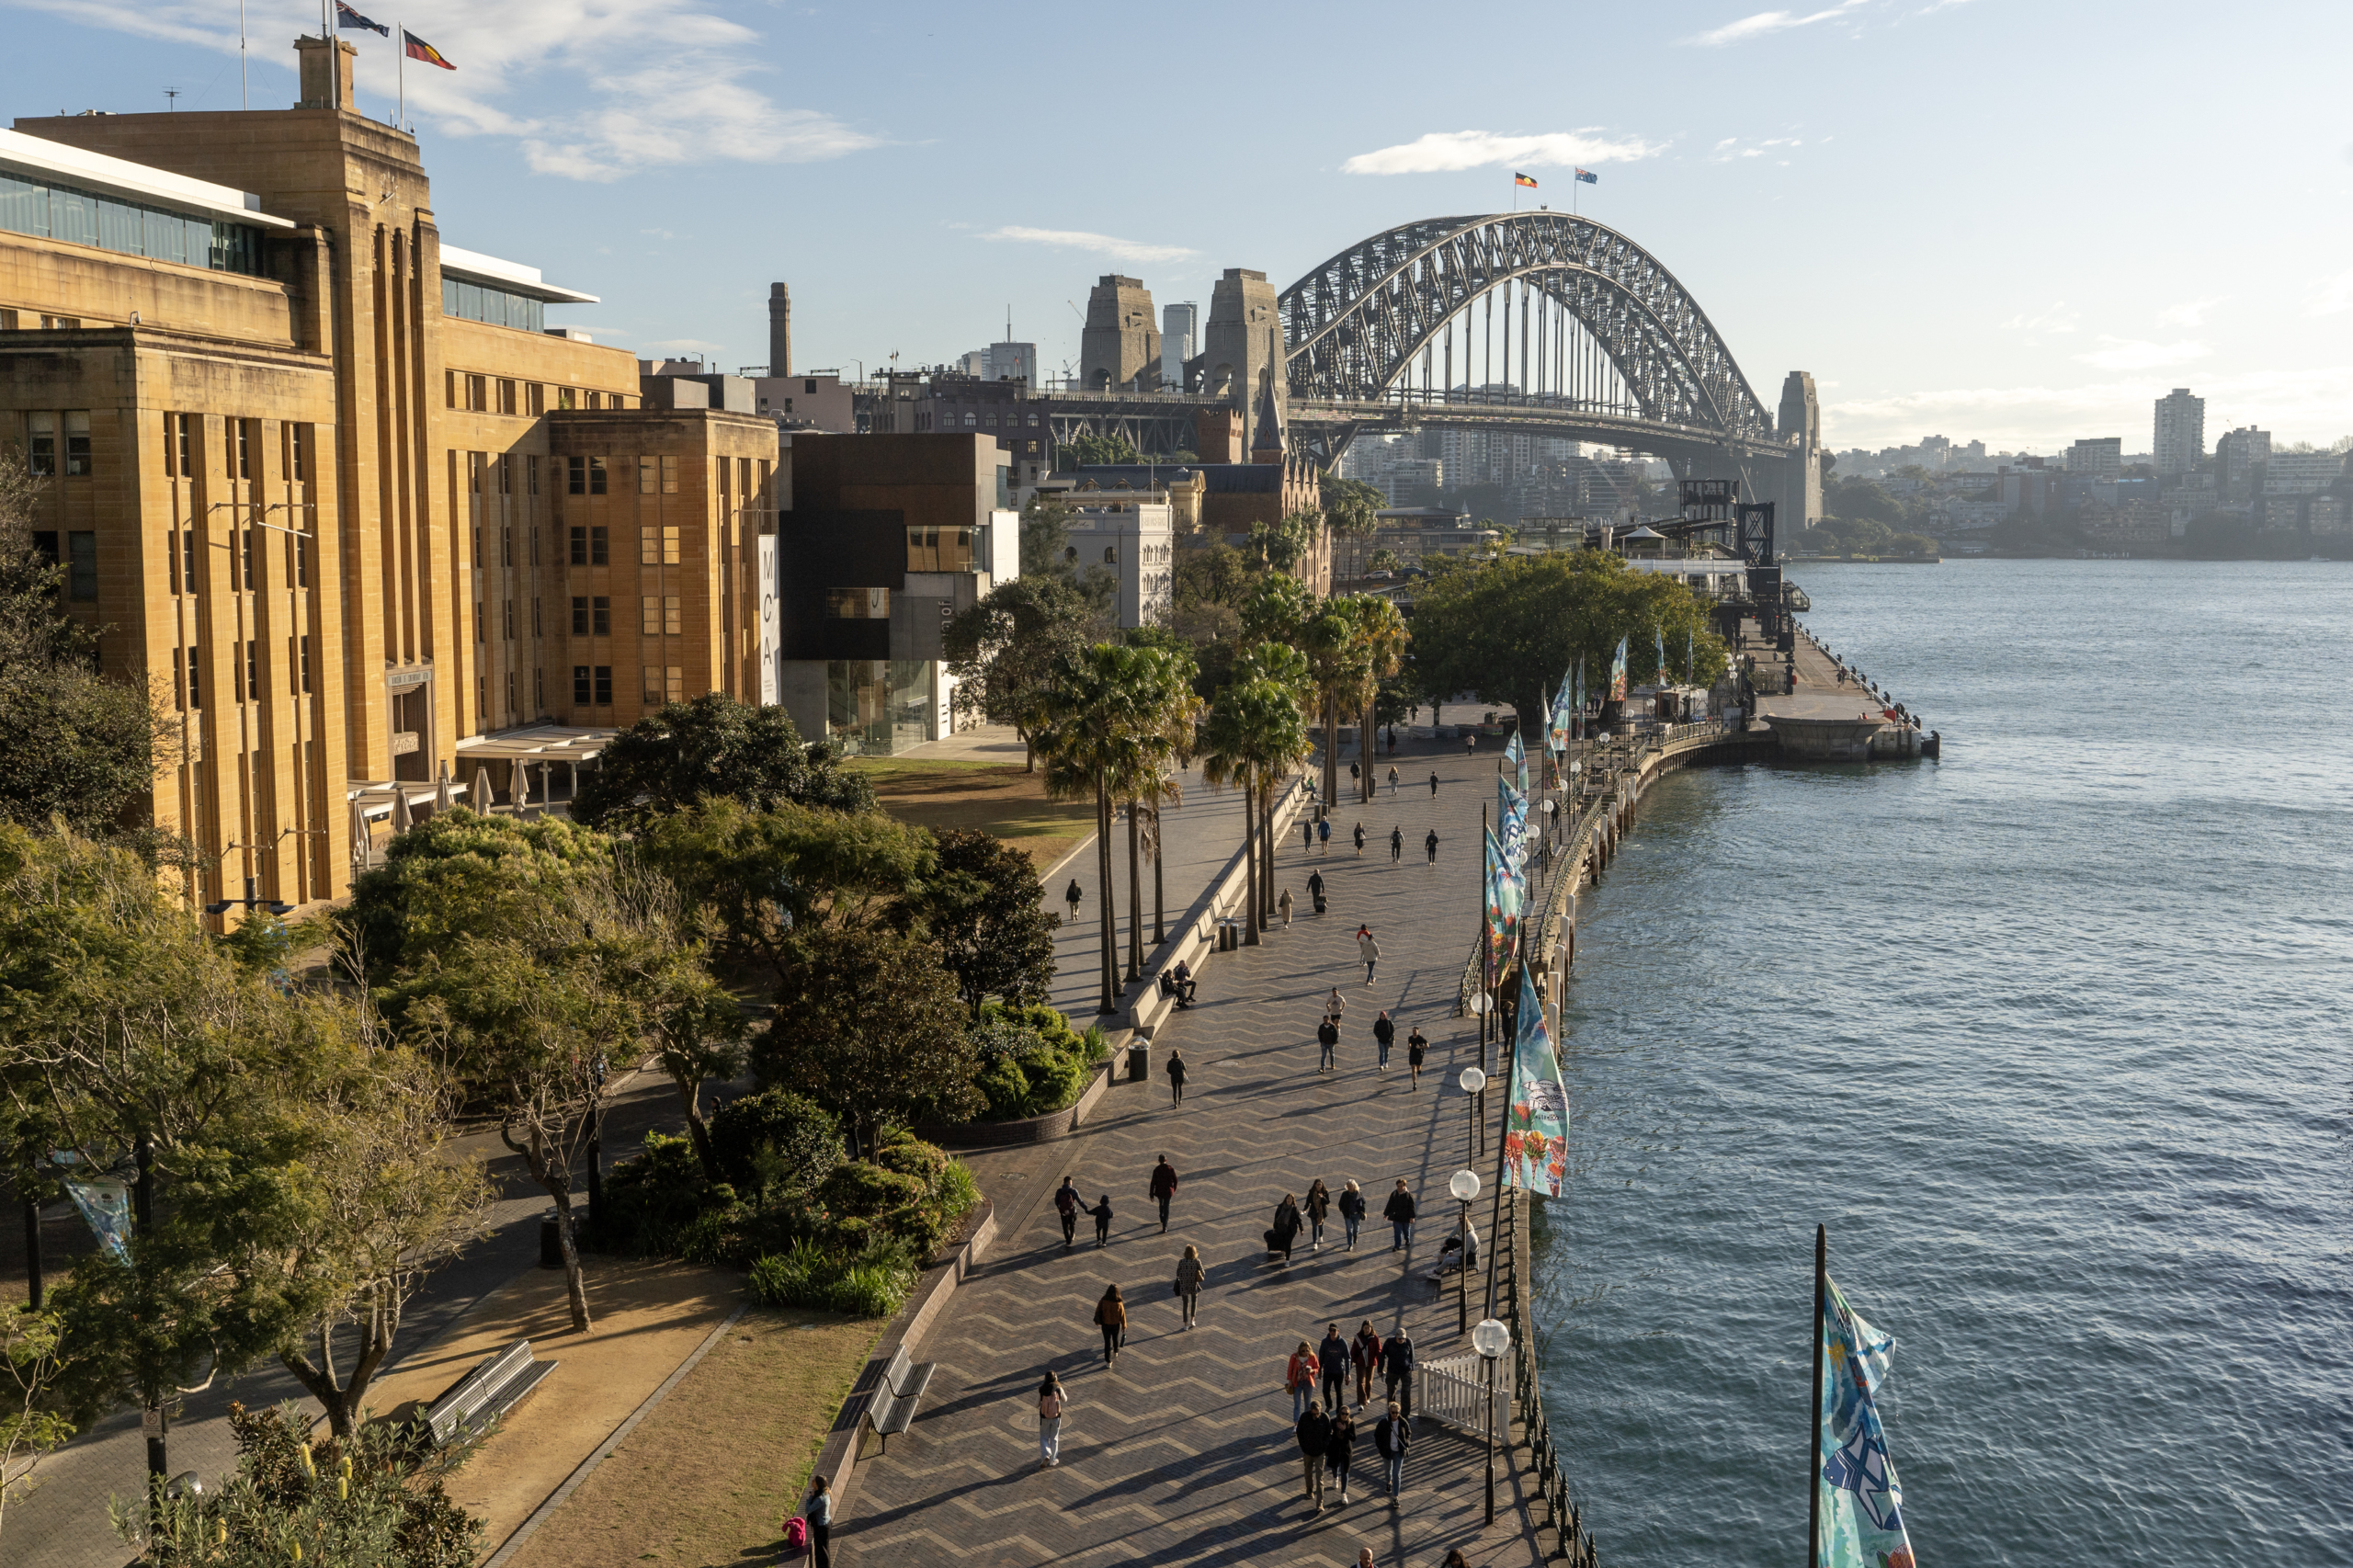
[[1537, 323]]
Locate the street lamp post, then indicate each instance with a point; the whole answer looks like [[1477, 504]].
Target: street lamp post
[[1474, 1082], [1465, 1185], [1490, 1339]]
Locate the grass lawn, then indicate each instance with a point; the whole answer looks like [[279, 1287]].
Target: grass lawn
[[994, 797], [706, 1480]]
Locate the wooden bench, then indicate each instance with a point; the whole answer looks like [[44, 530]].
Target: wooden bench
[[484, 1394], [891, 1407]]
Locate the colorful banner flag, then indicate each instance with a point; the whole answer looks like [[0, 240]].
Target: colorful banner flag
[[1659, 637], [1518, 755], [1503, 906], [1576, 711], [420, 49], [1563, 716], [348, 20], [1618, 673], [1536, 1138], [1588, 178], [105, 1203], [1523, 181], [1860, 1501]]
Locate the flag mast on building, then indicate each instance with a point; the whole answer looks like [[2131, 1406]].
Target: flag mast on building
[[1584, 177]]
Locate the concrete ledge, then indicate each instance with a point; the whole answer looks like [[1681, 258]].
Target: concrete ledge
[[1195, 940], [1027, 1129]]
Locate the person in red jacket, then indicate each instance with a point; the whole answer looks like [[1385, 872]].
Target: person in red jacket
[[1164, 1188]]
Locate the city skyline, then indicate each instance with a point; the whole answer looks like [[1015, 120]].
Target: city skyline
[[1906, 238]]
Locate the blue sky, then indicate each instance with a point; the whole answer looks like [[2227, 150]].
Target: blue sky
[[1991, 219]]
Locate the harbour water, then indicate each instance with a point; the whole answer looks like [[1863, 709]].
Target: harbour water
[[2051, 1034]]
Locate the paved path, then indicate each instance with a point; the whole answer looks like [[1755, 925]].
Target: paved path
[[1183, 1454]]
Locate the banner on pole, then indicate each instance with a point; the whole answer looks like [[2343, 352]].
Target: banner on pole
[[1536, 1138], [1858, 1499]]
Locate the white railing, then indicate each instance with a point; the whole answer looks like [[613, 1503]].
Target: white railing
[[1455, 1389]]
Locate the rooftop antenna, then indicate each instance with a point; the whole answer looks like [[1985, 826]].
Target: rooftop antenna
[[245, 89], [169, 93]]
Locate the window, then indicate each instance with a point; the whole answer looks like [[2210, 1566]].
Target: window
[[478, 620], [45, 546], [32, 206], [595, 400], [510, 620], [673, 617], [531, 467], [600, 616], [297, 453], [8, 321], [61, 323], [598, 554], [657, 547], [653, 684], [477, 393], [970, 421], [723, 480], [674, 684], [505, 545], [535, 399], [244, 429], [577, 550], [40, 458], [580, 688], [306, 661], [539, 691], [566, 398], [449, 389], [302, 561], [858, 604], [580, 615], [477, 548], [506, 473], [81, 566], [604, 685], [535, 616], [648, 474], [808, 388], [194, 683], [932, 549], [246, 555], [505, 396], [1110, 555], [482, 695], [188, 561], [253, 673], [510, 693], [475, 461], [650, 618], [670, 476], [179, 446]]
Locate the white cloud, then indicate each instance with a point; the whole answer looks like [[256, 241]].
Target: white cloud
[[1101, 244], [1764, 22], [2058, 317], [2136, 353], [2192, 313], [1447, 151], [644, 84], [2333, 297]]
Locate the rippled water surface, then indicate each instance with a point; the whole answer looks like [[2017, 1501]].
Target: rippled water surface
[[2053, 1035]]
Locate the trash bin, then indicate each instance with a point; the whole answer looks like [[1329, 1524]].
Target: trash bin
[[1139, 1061], [1228, 935], [551, 1240]]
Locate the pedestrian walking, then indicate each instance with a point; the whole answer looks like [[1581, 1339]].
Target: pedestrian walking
[[1398, 1213], [1432, 786], [1314, 1433], [1397, 1370], [820, 1515], [1189, 1275], [1392, 766], [1307, 835], [1298, 1377], [1327, 1044], [1416, 1049], [1175, 1076], [1319, 1209], [1390, 1435], [1364, 1359], [1396, 845], [1332, 1369], [1338, 1450], [1334, 1005], [1359, 836], [1285, 1231], [1072, 895], [1454, 1558], [1283, 905], [1384, 1035], [1369, 950], [1323, 836], [1051, 1401], [1102, 1212], [1111, 1316], [1351, 1212], [1430, 842], [1066, 1205], [1470, 742], [1164, 1188]]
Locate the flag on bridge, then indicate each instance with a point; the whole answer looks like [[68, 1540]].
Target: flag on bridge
[[1587, 176], [1523, 180], [1536, 1135], [1858, 1503], [348, 20], [420, 49]]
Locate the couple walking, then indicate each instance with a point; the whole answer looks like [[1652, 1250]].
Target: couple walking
[[1284, 1233], [1161, 1187]]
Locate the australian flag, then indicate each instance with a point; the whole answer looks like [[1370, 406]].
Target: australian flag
[[350, 21]]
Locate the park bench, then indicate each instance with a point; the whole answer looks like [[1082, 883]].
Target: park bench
[[487, 1393], [891, 1409]]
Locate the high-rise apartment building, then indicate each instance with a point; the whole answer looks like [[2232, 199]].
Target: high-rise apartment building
[[2102, 457], [336, 492], [2179, 445], [1178, 334]]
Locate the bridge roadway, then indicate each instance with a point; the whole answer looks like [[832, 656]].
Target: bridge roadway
[[1182, 1453]]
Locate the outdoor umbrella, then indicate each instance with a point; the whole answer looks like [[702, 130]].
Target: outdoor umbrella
[[402, 819], [442, 797], [481, 799], [360, 835]]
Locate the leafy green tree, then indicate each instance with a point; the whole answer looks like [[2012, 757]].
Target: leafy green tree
[[868, 1025], [1045, 524], [1350, 507], [1277, 610], [1255, 734], [1089, 451], [714, 746], [1219, 576], [1380, 643], [459, 872], [986, 910], [31, 1346], [84, 747], [1281, 546], [1006, 649], [1386, 559]]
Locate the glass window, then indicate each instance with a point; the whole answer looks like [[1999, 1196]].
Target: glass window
[[652, 682], [858, 604], [648, 473], [82, 567], [650, 618], [604, 685], [597, 485], [670, 476], [580, 687], [77, 440], [24, 205], [565, 397], [673, 618], [579, 547], [167, 235], [576, 482], [72, 216], [674, 684], [600, 616], [670, 545], [598, 549], [41, 454]]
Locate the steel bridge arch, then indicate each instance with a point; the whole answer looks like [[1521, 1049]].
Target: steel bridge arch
[[1353, 325]]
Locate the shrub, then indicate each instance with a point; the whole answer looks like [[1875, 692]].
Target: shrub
[[1032, 1062], [863, 1191], [775, 1142], [873, 1282], [652, 1199]]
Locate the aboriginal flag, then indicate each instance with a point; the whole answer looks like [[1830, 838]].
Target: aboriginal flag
[[420, 49], [1523, 179]]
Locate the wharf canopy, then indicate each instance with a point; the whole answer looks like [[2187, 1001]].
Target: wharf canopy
[[338, 493]]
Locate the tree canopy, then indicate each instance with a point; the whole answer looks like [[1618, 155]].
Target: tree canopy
[[714, 746], [1007, 651]]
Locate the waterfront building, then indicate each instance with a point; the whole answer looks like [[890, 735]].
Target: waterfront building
[[2180, 433], [337, 491], [1177, 331], [2099, 457]]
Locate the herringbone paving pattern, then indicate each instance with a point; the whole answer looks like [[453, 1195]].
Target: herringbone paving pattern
[[1183, 1453]]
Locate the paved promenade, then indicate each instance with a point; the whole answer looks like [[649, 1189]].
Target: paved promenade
[[1183, 1453]]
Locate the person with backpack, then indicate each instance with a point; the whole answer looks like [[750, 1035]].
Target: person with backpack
[[1319, 1209], [1351, 1211], [1391, 1433], [1102, 1212], [1384, 1035], [1364, 1359], [1111, 1317], [1397, 1370], [1176, 1077], [1327, 1041], [1164, 1188], [1332, 1364], [1359, 839], [1066, 1205], [1286, 1228], [1315, 890], [1189, 1275], [1072, 895], [1051, 1401], [1417, 1050], [1323, 836], [1298, 1377], [1314, 1431], [1340, 1448], [1398, 1213]]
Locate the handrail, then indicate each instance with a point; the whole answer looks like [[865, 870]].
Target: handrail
[[1562, 1515]]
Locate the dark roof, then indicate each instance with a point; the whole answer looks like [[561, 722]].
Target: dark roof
[[1243, 479], [1269, 435]]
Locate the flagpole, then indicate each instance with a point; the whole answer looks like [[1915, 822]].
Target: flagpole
[[400, 115], [1813, 1417]]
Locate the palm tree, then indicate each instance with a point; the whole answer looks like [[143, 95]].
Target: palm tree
[[1118, 713], [1256, 732], [1328, 640], [1146, 791], [1380, 641], [1286, 667]]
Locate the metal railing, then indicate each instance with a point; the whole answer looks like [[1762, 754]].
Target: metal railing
[[1562, 1515]]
